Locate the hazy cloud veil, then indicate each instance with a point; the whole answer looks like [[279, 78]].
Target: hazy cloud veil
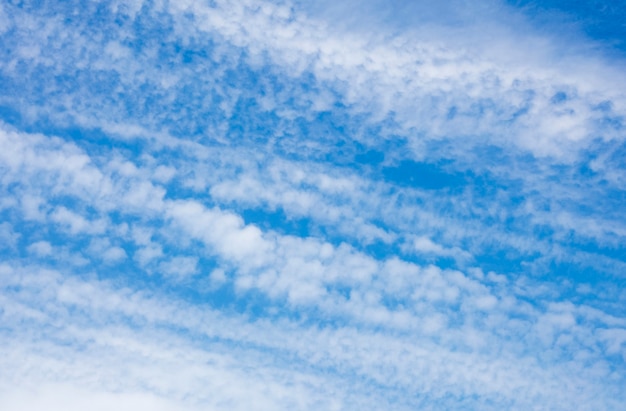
[[289, 205]]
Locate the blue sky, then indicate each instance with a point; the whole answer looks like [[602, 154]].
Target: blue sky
[[343, 205]]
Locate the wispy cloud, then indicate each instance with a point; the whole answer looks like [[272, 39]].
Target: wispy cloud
[[273, 205]]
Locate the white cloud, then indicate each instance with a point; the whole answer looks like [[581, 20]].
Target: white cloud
[[66, 397], [41, 248], [8, 236], [75, 223], [349, 315], [114, 254], [102, 248], [217, 278], [144, 360], [145, 255], [406, 73], [426, 246], [179, 266]]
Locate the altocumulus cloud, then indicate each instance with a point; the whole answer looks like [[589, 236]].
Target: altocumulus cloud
[[258, 205]]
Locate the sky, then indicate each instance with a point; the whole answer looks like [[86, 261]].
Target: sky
[[332, 205]]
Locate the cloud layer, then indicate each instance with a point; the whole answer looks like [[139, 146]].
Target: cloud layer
[[272, 205]]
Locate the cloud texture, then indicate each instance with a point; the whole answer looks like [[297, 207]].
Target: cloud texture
[[271, 205]]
